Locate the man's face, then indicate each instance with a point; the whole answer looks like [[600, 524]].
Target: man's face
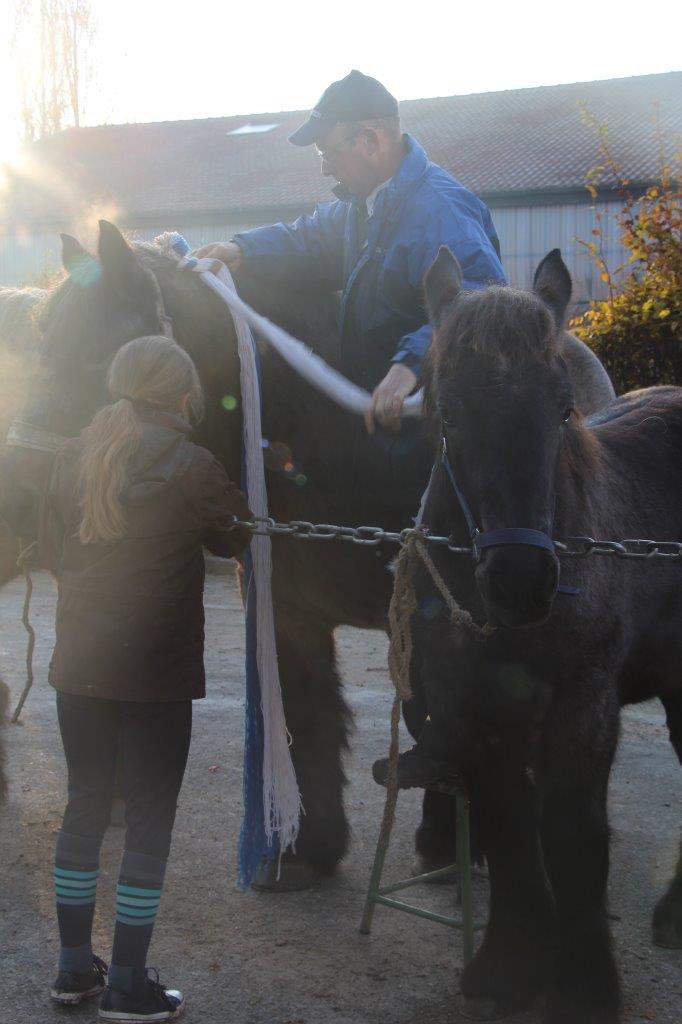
[[350, 154]]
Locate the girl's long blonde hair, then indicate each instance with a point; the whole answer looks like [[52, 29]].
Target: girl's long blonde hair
[[156, 373]]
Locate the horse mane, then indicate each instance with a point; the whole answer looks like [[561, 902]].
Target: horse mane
[[19, 343], [636, 420], [502, 323], [581, 451], [18, 328]]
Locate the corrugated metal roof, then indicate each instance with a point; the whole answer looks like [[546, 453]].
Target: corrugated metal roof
[[499, 142]]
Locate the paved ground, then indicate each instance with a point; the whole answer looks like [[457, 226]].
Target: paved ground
[[296, 959]]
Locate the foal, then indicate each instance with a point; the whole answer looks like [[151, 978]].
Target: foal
[[530, 716]]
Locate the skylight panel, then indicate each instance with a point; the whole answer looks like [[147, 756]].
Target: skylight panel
[[252, 129]]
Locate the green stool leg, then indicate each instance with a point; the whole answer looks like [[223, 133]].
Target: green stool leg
[[465, 893], [374, 883]]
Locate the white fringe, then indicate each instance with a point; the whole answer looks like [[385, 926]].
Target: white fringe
[[281, 796]]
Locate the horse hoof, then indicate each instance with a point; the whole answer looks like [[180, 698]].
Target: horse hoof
[[667, 935], [482, 1008], [667, 922], [294, 876], [424, 865]]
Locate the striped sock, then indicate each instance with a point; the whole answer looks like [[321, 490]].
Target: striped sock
[[76, 871], [138, 894]]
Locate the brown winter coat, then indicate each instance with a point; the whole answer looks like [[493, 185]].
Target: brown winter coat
[[130, 615]]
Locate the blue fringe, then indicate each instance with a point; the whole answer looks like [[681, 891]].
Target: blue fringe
[[254, 848]]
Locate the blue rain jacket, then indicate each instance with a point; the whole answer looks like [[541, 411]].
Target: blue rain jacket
[[383, 319]]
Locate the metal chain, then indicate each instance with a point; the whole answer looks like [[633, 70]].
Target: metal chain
[[372, 536]]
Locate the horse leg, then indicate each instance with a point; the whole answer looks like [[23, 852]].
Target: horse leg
[[510, 968], [318, 721], [579, 751], [4, 704], [667, 921], [9, 553], [436, 835]]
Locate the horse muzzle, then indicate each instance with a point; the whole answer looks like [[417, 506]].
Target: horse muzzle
[[518, 584]]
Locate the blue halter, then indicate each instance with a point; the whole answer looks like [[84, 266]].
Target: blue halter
[[481, 541]]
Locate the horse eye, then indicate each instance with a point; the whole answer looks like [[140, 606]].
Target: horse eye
[[567, 414]]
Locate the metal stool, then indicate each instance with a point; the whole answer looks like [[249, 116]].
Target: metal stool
[[464, 922]]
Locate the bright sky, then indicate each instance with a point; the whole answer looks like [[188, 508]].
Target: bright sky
[[170, 59]]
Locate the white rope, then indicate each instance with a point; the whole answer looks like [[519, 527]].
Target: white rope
[[309, 365], [281, 797]]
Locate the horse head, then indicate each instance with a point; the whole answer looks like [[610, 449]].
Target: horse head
[[500, 393], [103, 302]]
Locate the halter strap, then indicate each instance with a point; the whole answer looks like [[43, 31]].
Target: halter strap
[[513, 535]]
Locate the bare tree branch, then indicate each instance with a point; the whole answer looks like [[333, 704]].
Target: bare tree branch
[[53, 82]]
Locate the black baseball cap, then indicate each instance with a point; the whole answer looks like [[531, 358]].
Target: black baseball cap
[[356, 97]]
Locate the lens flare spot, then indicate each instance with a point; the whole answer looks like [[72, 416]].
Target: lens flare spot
[[288, 467], [430, 607], [85, 270], [517, 682], [301, 480], [229, 403]]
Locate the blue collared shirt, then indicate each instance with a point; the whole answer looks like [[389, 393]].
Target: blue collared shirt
[[383, 318]]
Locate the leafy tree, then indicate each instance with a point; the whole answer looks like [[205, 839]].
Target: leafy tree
[[637, 330]]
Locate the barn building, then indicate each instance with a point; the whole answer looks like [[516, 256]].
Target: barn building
[[526, 152]]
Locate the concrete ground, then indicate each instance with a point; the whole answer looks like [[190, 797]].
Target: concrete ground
[[296, 958]]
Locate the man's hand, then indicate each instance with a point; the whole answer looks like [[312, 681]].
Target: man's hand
[[388, 398], [228, 253]]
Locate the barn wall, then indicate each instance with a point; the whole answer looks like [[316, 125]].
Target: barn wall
[[28, 257], [526, 233]]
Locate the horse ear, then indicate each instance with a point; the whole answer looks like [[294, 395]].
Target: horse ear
[[442, 284], [79, 264], [72, 252], [552, 283], [119, 263]]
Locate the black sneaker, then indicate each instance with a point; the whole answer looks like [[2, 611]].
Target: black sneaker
[[71, 988], [149, 1001]]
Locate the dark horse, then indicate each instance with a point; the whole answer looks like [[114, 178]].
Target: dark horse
[[530, 716], [321, 464]]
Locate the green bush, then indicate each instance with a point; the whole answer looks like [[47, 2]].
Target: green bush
[[637, 330]]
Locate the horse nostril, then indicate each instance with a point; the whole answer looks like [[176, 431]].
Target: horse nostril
[[498, 583], [514, 580]]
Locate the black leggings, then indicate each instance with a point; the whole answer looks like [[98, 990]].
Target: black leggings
[[151, 739]]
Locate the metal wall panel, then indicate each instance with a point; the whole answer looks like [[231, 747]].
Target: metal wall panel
[[28, 258], [527, 233]]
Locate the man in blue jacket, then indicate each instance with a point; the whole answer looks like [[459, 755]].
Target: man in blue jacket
[[375, 242]]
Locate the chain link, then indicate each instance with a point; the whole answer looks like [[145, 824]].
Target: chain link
[[372, 536]]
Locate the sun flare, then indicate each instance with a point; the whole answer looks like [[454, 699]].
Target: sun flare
[[10, 144]]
